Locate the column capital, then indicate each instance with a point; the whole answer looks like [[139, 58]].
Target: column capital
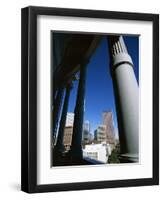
[[118, 51]]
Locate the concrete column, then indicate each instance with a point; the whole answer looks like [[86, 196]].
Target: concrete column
[[127, 99], [56, 110], [76, 145], [60, 145]]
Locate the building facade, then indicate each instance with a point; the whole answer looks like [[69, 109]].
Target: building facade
[[68, 130], [100, 134], [69, 119], [98, 152], [87, 137], [109, 124], [67, 137]]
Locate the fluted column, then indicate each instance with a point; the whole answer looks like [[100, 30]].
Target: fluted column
[[56, 109], [60, 145], [127, 99], [76, 145]]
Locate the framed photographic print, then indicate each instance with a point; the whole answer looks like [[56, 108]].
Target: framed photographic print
[[90, 99]]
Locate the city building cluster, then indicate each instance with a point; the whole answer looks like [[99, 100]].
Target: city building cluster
[[97, 145]]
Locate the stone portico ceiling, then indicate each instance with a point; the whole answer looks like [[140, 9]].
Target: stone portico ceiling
[[78, 48]]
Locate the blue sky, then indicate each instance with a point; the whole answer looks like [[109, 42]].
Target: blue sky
[[99, 89]]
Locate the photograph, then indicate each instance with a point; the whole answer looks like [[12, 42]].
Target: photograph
[[90, 93], [94, 98]]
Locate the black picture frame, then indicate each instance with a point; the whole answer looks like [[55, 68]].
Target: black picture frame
[[29, 99]]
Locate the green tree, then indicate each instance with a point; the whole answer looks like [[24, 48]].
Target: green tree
[[114, 157]]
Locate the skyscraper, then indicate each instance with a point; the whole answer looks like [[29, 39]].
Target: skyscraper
[[86, 126], [68, 131], [100, 134], [109, 123], [86, 132], [69, 119]]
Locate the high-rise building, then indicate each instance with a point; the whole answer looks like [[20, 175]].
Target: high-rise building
[[69, 119], [109, 123], [100, 134], [67, 137], [86, 132], [68, 131], [86, 126]]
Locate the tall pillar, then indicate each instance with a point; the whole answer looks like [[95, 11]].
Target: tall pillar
[[76, 144], [127, 99], [56, 110], [60, 145]]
